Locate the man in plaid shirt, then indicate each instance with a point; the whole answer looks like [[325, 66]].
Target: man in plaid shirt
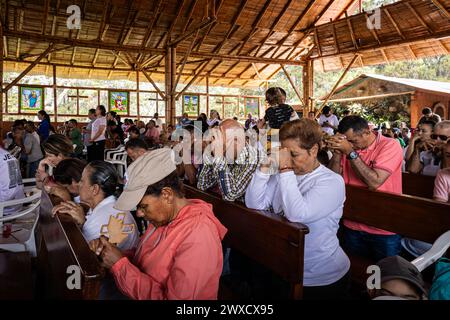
[[233, 171]]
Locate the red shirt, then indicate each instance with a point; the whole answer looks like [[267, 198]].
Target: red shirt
[[385, 154], [178, 261]]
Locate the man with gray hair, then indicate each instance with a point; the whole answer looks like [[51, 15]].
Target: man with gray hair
[[229, 162], [417, 163]]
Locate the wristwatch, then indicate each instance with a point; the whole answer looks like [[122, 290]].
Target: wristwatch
[[352, 155]]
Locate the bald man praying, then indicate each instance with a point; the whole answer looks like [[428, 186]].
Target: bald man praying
[[229, 163]]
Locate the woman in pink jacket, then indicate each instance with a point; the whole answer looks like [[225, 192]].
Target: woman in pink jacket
[[180, 257]]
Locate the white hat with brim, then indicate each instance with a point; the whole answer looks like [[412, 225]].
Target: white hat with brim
[[148, 169]]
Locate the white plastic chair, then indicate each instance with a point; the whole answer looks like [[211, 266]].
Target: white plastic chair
[[15, 152], [109, 153], [120, 161], [438, 249], [28, 212], [31, 185]]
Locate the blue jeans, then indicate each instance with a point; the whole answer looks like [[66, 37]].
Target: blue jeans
[[373, 246], [32, 167]]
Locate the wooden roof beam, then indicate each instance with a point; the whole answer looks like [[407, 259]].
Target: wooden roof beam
[[188, 20], [428, 37], [352, 33], [411, 51], [174, 22], [256, 71], [372, 30], [218, 65], [266, 66], [397, 28], [383, 53], [255, 25], [103, 20], [274, 25], [279, 69], [5, 46], [72, 59], [299, 20], [186, 56], [192, 80], [125, 22], [233, 25], [202, 25], [161, 94], [344, 11], [307, 31], [443, 47], [316, 40], [35, 37], [418, 17], [149, 32], [44, 18], [441, 7], [28, 69], [216, 11]]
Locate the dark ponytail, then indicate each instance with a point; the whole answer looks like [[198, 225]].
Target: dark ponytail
[[105, 175], [45, 115]]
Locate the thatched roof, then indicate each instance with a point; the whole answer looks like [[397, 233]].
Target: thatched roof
[[407, 30], [239, 42]]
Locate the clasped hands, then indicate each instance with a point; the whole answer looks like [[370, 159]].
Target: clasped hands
[[338, 144], [279, 158], [106, 251]]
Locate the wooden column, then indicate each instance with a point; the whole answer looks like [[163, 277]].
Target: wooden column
[[207, 95], [308, 84], [173, 75], [170, 92], [137, 96], [55, 96]]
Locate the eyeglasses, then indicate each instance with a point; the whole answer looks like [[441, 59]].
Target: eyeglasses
[[440, 136]]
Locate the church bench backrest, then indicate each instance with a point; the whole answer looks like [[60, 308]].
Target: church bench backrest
[[60, 245], [265, 237], [409, 216], [418, 185]]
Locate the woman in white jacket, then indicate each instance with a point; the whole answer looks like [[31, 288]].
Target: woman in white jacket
[[305, 191]]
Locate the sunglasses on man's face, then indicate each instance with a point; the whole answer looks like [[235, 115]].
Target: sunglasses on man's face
[[440, 136]]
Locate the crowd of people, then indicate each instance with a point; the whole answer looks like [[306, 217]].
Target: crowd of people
[[290, 166]]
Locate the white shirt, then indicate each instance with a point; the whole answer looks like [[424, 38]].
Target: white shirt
[[99, 216], [158, 122], [431, 165], [333, 120], [96, 127], [315, 199], [87, 136], [212, 122], [11, 186]]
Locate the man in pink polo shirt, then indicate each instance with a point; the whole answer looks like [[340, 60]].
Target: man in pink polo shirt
[[367, 159]]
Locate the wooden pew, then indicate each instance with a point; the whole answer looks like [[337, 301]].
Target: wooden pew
[[61, 244], [265, 237], [418, 185], [408, 216], [15, 276]]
